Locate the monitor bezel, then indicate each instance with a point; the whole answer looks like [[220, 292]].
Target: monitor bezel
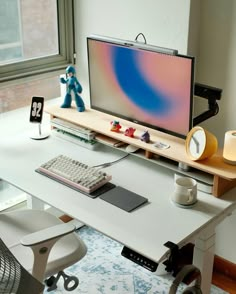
[[152, 48]]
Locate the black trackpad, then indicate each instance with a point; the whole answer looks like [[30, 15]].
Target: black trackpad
[[123, 198]]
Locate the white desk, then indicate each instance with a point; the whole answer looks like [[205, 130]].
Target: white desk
[[146, 229]]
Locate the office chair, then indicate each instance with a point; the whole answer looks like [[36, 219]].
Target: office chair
[[43, 245], [186, 270], [14, 277]]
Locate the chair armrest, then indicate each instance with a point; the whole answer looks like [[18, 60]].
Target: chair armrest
[[47, 234]]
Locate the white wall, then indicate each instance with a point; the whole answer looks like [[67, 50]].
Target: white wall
[[163, 22], [208, 33], [217, 67], [216, 60]]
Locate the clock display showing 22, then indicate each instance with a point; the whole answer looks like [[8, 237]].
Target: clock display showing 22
[[36, 111]]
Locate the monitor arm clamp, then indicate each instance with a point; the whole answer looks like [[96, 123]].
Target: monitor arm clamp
[[172, 261], [211, 94], [178, 257]]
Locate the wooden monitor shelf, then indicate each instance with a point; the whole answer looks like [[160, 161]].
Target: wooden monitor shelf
[[224, 175]]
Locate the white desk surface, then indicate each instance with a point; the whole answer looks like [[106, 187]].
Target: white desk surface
[[144, 230]]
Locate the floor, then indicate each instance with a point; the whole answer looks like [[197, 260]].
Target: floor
[[224, 283], [104, 271]]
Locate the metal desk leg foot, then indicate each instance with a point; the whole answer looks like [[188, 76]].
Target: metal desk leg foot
[[203, 258]]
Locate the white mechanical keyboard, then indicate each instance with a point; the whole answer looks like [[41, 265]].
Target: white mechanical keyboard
[[73, 129], [74, 174]]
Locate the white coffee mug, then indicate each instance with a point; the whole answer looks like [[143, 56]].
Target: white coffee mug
[[185, 191]]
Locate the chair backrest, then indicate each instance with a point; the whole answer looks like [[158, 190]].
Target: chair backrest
[[13, 276]]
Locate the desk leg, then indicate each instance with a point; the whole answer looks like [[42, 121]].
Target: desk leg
[[203, 258], [34, 203]]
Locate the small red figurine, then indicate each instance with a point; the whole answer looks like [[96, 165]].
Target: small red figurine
[[130, 132]]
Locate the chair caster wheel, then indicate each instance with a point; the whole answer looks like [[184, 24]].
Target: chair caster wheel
[[70, 282], [50, 281]]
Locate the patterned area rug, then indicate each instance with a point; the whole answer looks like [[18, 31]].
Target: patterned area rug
[[104, 271]]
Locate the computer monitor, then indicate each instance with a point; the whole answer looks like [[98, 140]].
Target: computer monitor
[[145, 84]]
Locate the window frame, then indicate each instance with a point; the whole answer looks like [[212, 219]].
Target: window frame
[[47, 64]]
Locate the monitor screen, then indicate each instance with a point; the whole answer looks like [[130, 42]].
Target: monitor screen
[[141, 83]]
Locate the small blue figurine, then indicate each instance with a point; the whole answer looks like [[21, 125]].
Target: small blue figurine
[[145, 137], [72, 85]]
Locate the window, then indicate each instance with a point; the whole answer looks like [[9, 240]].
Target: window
[[10, 31], [35, 37]]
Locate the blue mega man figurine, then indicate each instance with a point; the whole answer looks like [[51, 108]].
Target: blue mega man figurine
[[72, 85]]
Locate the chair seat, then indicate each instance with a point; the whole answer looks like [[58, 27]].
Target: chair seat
[[15, 225]]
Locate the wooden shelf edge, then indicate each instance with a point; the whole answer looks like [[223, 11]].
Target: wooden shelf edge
[[221, 186]]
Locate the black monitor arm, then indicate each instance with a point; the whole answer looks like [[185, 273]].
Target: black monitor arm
[[211, 94]]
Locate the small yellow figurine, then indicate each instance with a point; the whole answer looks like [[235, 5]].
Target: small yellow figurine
[[115, 126]]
